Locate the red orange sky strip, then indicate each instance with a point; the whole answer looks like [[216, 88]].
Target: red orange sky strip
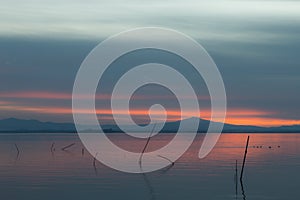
[[234, 116]]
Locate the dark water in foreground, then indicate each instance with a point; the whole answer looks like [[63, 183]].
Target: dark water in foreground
[[270, 173]]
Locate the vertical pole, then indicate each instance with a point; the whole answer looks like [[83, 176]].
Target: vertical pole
[[246, 150], [18, 151], [148, 140], [236, 178]]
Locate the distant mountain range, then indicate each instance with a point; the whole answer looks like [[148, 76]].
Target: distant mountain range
[[13, 125]]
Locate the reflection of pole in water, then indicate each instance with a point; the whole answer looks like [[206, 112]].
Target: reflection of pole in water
[[242, 188], [236, 179], [149, 186], [242, 171], [94, 164]]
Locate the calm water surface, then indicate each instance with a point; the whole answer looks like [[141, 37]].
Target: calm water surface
[[38, 173]]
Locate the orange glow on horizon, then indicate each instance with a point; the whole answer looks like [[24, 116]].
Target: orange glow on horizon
[[234, 116], [265, 122]]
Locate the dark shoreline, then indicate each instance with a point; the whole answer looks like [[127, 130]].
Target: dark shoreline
[[166, 132]]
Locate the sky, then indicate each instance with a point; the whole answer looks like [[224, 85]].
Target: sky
[[255, 45]]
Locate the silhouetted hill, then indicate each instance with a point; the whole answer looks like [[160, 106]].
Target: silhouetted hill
[[19, 125]]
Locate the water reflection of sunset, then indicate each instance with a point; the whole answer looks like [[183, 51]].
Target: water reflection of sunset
[[36, 154], [37, 169]]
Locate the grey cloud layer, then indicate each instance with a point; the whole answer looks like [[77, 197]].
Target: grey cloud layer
[[255, 44]]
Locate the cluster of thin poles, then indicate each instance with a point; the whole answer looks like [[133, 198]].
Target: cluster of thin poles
[[65, 148]]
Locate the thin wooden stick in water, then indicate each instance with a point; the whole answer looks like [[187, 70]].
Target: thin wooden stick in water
[[245, 155], [94, 162], [52, 146], [18, 152], [167, 159], [148, 140], [68, 146]]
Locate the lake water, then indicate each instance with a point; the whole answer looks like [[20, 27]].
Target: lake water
[[271, 172]]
